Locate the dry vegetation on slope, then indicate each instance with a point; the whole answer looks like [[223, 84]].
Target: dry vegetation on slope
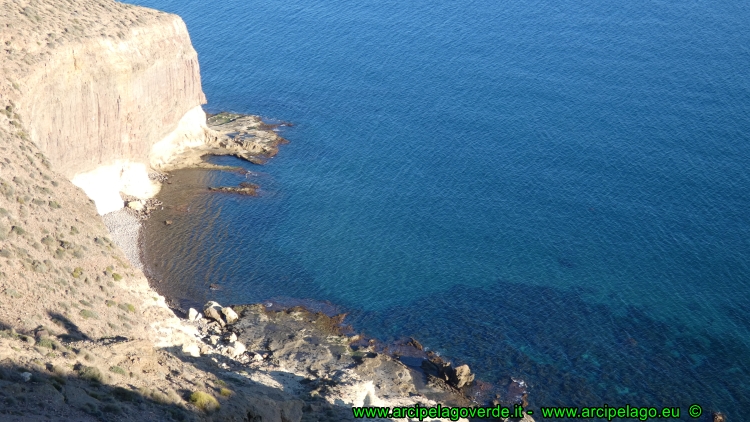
[[32, 29]]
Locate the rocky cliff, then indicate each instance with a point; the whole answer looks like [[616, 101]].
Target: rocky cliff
[[96, 84]]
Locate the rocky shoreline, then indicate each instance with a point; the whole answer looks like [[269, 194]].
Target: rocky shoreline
[[95, 94], [312, 356], [309, 353]]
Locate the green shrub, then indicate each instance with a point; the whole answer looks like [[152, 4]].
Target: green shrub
[[226, 392], [117, 370], [123, 394], [160, 397], [54, 205], [110, 303], [8, 334], [77, 272], [127, 307], [89, 314], [116, 277], [13, 293], [39, 267], [204, 401], [46, 342], [90, 373]]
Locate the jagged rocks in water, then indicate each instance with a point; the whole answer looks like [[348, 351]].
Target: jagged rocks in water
[[460, 376], [245, 188], [456, 377], [415, 344]]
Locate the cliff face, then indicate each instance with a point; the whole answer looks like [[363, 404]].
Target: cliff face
[[104, 100], [96, 84]]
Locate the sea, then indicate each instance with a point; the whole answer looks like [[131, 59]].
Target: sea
[[549, 191]]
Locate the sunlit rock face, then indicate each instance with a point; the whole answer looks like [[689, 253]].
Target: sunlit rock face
[[97, 99]]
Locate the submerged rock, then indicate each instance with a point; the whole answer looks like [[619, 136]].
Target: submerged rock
[[244, 188]]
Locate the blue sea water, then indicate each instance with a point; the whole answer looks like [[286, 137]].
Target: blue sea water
[[556, 191]]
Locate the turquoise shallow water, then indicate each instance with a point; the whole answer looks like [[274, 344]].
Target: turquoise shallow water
[[556, 191]]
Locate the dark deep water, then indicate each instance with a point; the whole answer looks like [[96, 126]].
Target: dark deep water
[[556, 191]]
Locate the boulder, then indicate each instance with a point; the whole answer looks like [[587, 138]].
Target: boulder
[[236, 350], [212, 310], [460, 376], [230, 315], [415, 344], [205, 349], [192, 314], [191, 350], [136, 205]]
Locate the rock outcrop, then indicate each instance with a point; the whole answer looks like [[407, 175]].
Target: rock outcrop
[[103, 100], [95, 84]]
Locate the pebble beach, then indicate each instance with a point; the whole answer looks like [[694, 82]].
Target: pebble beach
[[125, 229]]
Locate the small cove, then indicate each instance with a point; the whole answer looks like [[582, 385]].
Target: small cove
[[556, 194]]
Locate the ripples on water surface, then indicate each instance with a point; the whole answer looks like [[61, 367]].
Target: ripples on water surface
[[551, 190]]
